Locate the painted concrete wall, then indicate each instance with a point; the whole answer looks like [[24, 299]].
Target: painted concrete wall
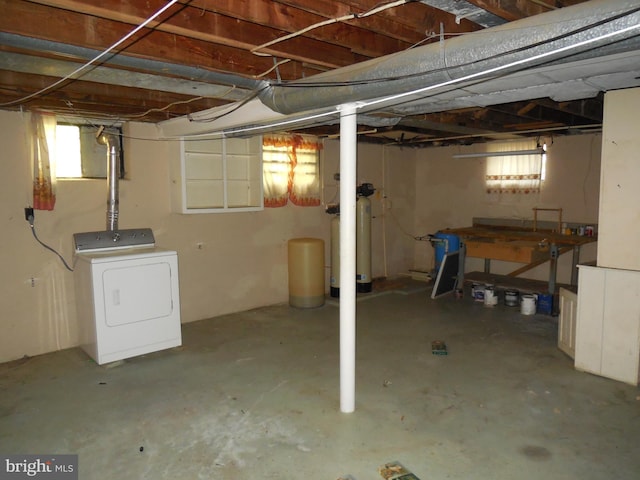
[[450, 192], [237, 261], [228, 262], [391, 172], [619, 197]]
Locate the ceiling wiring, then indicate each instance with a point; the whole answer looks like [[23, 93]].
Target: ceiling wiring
[[330, 21], [275, 67], [76, 73], [233, 108]]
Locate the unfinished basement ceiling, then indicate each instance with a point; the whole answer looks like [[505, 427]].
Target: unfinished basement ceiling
[[203, 54]]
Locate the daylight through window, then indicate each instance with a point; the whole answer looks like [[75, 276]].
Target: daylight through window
[[291, 170], [79, 155], [515, 173]]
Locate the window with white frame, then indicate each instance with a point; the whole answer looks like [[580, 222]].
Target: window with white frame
[[291, 170], [220, 175], [79, 155], [515, 167]]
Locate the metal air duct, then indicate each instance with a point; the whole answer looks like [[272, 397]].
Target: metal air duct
[[583, 31]]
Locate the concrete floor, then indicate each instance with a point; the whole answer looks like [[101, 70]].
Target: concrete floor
[[255, 395]]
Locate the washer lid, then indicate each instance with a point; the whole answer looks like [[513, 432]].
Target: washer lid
[[113, 240]]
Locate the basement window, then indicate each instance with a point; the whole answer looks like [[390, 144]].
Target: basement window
[[513, 171], [291, 170], [220, 175], [79, 155]]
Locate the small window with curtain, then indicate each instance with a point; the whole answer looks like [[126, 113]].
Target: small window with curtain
[[515, 167], [291, 170]]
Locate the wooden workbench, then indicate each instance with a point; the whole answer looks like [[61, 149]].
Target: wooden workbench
[[520, 245]]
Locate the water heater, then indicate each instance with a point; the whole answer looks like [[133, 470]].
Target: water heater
[[363, 245], [335, 257]]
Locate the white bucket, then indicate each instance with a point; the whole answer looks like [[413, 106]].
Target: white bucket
[[528, 305], [490, 297]]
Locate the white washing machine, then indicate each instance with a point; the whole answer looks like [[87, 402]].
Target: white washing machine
[[127, 295]]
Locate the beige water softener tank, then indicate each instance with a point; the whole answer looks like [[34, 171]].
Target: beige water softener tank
[[306, 272]]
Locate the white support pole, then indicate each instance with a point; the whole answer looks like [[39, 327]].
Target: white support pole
[[348, 141]]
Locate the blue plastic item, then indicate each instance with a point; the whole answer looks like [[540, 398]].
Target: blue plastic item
[[444, 243], [545, 304]]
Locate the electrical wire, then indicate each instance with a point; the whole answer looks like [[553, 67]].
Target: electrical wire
[[275, 67], [323, 23], [83, 67], [419, 238], [235, 107], [33, 230]]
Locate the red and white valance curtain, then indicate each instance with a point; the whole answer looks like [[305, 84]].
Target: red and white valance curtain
[[43, 141], [291, 170]]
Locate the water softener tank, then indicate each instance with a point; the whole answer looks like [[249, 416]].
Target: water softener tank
[[306, 272], [444, 243], [363, 245], [335, 257]]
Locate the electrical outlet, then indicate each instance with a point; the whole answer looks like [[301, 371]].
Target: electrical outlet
[[28, 214]]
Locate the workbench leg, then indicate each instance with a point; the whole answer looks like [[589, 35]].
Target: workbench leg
[[487, 265], [462, 256], [553, 268], [574, 265]]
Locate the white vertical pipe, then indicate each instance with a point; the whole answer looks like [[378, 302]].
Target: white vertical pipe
[[348, 141]]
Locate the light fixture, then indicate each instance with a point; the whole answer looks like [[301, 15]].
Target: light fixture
[[535, 151]]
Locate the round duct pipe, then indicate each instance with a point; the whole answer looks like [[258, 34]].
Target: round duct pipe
[[583, 31], [113, 168]]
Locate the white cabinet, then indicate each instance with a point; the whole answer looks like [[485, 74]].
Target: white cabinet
[[567, 322], [608, 323], [219, 175]]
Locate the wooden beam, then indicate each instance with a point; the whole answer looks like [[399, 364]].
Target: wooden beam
[[410, 23], [47, 23], [510, 10], [290, 18], [79, 97], [197, 24]]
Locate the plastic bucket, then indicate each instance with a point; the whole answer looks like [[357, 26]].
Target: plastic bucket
[[545, 304], [528, 305]]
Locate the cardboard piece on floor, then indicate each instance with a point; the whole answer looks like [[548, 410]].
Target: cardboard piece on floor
[[395, 471], [447, 275]]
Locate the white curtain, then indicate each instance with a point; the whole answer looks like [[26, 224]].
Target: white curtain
[[514, 173], [43, 140], [291, 170]]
